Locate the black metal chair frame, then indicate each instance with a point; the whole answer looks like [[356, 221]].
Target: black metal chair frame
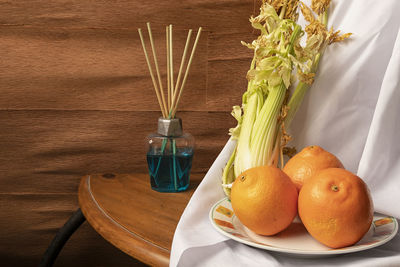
[[61, 238]]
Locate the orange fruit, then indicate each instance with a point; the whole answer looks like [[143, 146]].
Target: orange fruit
[[264, 200], [309, 161], [336, 208]]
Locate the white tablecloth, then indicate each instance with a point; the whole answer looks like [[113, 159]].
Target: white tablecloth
[[353, 111]]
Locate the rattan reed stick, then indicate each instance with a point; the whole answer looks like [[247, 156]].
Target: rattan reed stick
[[168, 70], [151, 74], [174, 108], [171, 60], [157, 69], [182, 64]]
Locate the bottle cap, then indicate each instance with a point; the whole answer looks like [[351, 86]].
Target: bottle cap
[[169, 127]]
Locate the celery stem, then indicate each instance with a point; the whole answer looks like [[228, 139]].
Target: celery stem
[[295, 101], [228, 175], [325, 18], [283, 10]]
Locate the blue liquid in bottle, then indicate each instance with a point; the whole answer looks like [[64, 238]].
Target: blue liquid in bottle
[[169, 172]]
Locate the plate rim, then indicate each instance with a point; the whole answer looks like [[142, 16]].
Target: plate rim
[[344, 250]]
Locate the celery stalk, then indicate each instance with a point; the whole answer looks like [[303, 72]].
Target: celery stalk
[[259, 125], [266, 111]]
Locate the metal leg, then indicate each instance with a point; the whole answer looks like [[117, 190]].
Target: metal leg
[[61, 238]]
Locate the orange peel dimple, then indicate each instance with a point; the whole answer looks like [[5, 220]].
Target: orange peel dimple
[[334, 188]]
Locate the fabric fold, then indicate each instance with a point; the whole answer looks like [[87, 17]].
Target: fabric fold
[[380, 161], [193, 229]]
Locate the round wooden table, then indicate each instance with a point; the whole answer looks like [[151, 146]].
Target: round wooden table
[[129, 214]]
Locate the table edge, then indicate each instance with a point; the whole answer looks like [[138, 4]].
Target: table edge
[[145, 250]]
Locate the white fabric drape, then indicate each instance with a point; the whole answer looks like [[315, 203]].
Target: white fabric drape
[[353, 111]]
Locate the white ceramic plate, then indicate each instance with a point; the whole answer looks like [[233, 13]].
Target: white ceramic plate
[[295, 239]]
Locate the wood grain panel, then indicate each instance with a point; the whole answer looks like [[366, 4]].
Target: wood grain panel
[[48, 151], [106, 70], [90, 69], [227, 83], [222, 15], [227, 46], [228, 63]]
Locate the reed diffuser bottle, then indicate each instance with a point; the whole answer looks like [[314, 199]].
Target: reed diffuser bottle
[[170, 151], [169, 156]]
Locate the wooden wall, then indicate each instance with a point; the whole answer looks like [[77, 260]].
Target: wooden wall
[[76, 98]]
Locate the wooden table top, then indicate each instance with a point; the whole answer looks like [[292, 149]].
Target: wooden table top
[[129, 214]]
